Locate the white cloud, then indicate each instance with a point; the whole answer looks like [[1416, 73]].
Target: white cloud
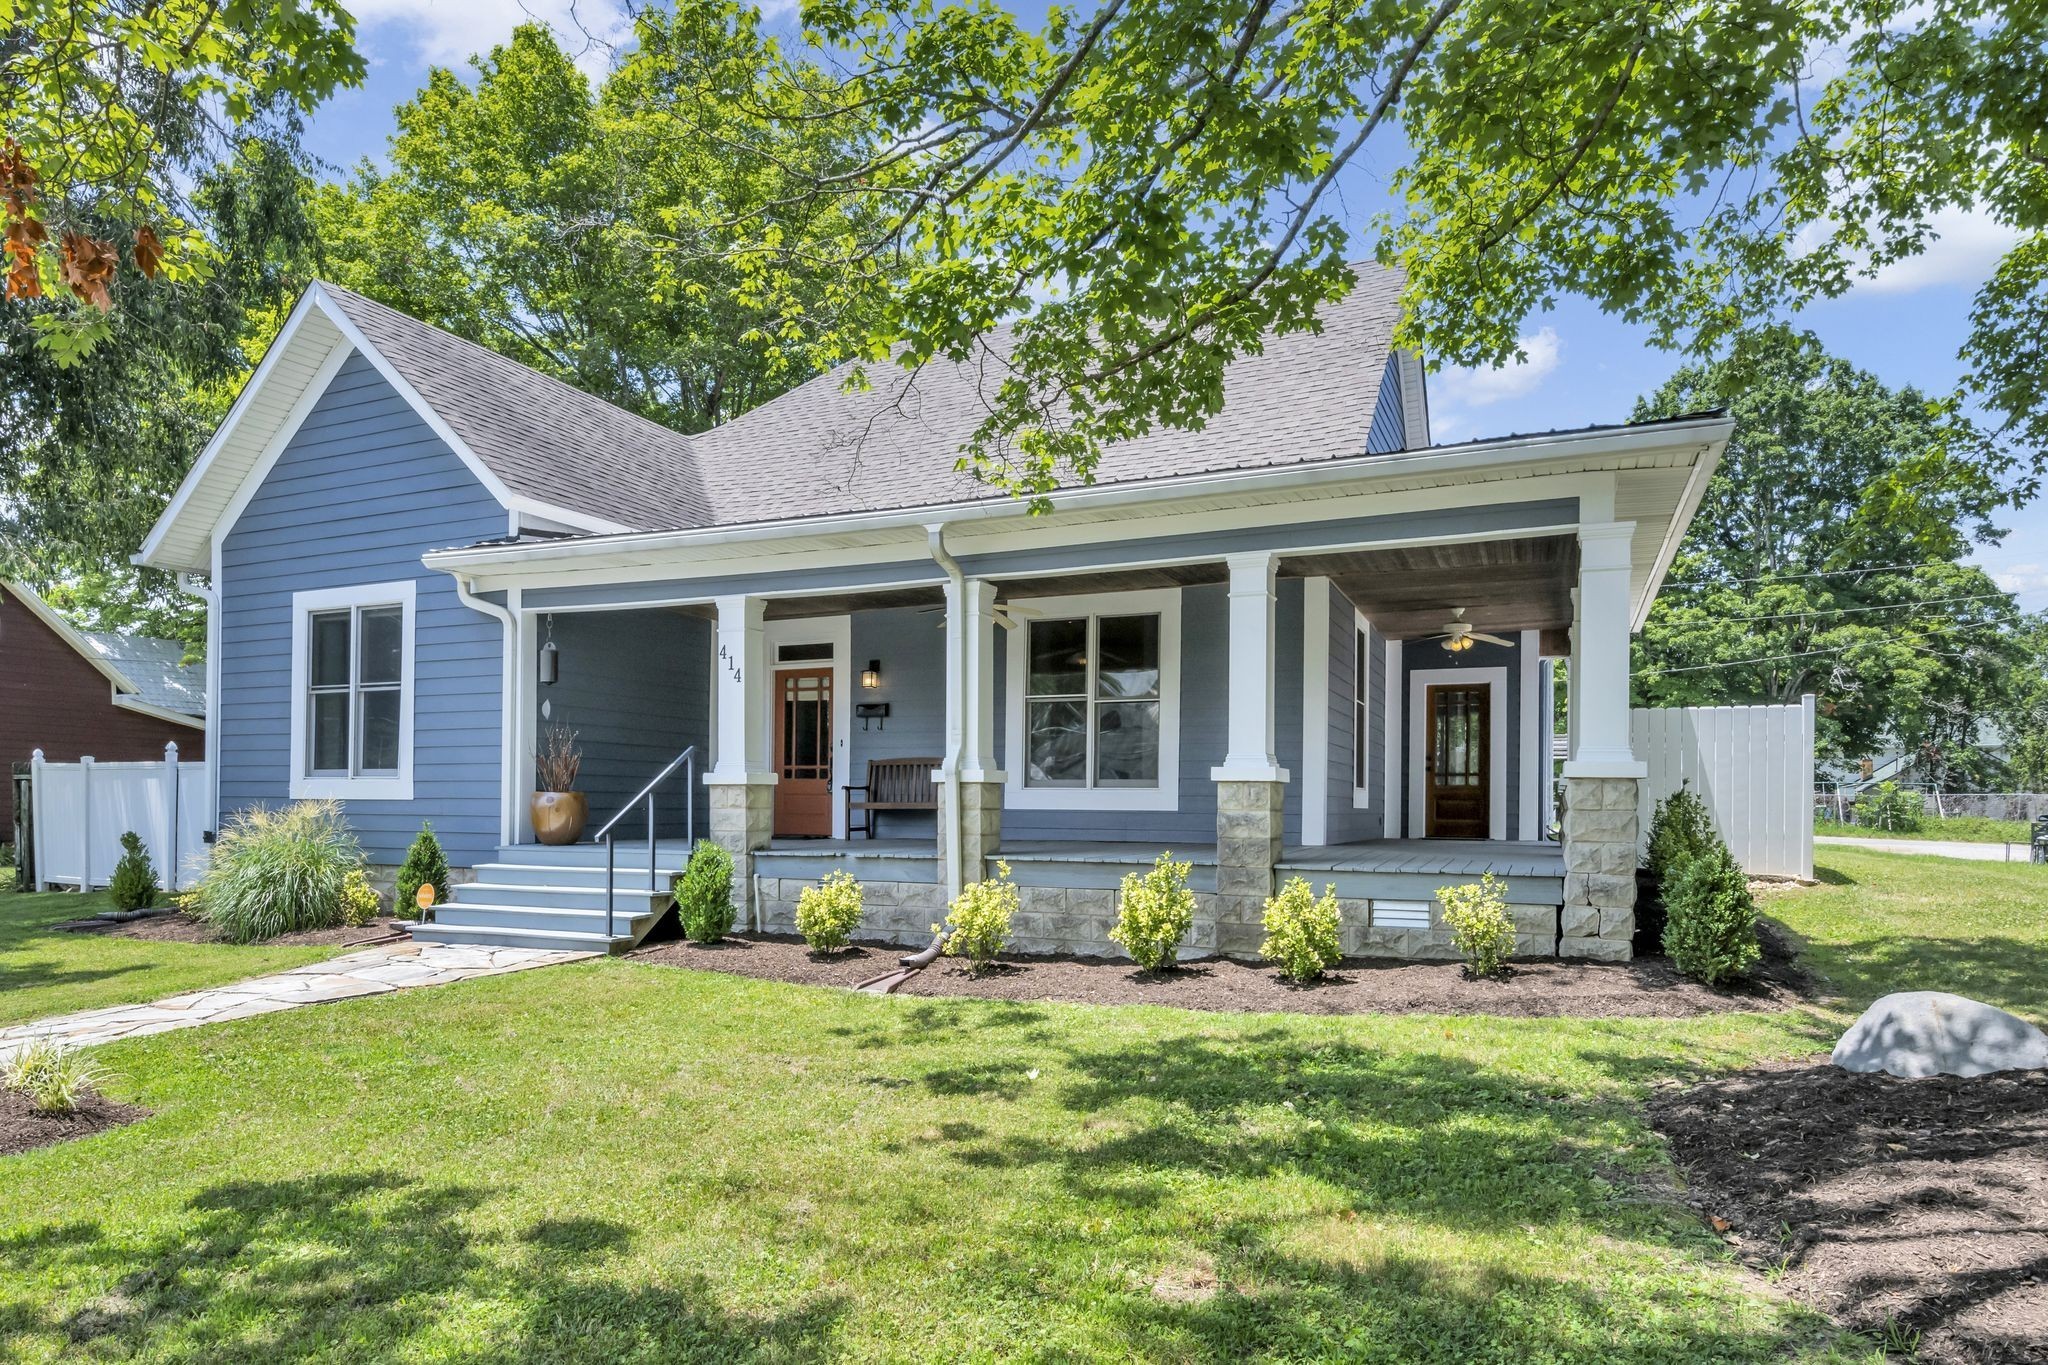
[[1461, 387], [1965, 246], [449, 32], [2027, 578]]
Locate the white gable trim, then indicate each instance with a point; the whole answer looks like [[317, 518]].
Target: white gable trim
[[506, 498], [158, 548], [159, 713]]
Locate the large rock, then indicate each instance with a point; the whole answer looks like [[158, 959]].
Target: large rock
[[1932, 1033]]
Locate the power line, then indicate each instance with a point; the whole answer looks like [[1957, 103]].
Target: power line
[[1783, 577], [1802, 654], [1880, 606]]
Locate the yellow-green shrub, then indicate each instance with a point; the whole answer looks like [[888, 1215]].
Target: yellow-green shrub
[[54, 1078], [977, 924], [1303, 934], [828, 913], [1154, 913], [359, 900], [1482, 930]]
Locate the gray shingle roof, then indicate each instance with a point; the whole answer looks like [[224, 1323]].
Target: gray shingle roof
[[819, 450], [547, 440], [154, 666]]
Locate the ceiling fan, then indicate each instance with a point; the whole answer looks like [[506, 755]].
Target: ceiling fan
[[1458, 634]]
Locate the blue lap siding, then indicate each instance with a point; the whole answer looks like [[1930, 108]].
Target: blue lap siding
[[362, 490]]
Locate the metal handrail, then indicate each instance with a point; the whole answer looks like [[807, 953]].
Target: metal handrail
[[686, 759]]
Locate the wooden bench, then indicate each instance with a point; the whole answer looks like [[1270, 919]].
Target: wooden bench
[[893, 784]]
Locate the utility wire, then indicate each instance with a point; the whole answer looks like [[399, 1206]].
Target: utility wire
[[1802, 654], [1880, 606], [1782, 577]]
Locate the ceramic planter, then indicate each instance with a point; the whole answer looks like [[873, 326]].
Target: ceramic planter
[[559, 817]]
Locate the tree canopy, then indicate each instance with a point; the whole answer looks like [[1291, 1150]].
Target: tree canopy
[[1823, 559], [1146, 188], [110, 109], [524, 210]]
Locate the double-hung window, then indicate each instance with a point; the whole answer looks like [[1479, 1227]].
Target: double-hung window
[[352, 684], [1093, 715]]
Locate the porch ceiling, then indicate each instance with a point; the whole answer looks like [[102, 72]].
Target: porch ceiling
[[1517, 584]]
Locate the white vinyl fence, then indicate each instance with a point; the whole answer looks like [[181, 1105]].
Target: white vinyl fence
[[82, 809], [1752, 765]]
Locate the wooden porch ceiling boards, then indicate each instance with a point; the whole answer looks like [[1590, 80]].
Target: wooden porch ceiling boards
[[1504, 585]]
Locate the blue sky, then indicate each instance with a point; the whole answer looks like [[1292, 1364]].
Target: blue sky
[[1582, 367]]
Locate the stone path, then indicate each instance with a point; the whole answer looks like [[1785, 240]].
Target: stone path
[[375, 971], [1933, 848]]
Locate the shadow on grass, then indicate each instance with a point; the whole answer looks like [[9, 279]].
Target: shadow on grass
[[376, 1266], [36, 975], [2011, 973]]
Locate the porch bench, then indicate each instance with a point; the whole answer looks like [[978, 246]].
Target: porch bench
[[893, 784]]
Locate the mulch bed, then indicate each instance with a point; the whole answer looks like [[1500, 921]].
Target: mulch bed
[[1647, 987], [1919, 1204], [179, 927], [23, 1127]]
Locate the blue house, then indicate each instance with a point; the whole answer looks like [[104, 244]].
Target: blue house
[[1300, 641]]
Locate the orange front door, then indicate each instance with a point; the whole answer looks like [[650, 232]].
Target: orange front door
[[1459, 797], [803, 753]]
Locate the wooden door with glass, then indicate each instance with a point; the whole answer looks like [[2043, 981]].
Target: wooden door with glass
[[1458, 795], [803, 753]]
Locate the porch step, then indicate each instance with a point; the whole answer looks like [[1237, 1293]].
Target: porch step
[[625, 921], [589, 895], [497, 936]]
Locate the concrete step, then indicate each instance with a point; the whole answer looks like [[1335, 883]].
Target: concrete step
[[672, 853], [569, 875], [559, 919], [498, 936], [627, 899]]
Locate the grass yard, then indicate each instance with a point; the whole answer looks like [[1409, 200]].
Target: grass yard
[[1882, 922], [614, 1161], [45, 971], [1967, 829]]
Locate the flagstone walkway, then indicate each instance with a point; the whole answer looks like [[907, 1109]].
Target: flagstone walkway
[[374, 971]]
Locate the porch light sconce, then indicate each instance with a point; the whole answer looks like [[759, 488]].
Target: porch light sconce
[[550, 658], [871, 676]]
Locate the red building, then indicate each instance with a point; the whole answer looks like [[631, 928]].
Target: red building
[[70, 693]]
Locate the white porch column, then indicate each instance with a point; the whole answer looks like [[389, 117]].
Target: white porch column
[[742, 664], [743, 782], [1600, 679], [1254, 619], [970, 758], [1602, 777]]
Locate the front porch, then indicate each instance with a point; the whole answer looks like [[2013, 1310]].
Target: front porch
[[1365, 703]]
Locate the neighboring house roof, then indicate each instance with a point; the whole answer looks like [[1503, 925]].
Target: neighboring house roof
[[569, 461], [147, 675]]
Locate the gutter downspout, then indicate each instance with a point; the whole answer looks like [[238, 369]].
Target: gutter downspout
[[956, 670], [465, 593], [210, 595]]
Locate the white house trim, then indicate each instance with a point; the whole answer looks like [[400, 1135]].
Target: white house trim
[[1390, 823], [396, 787], [1496, 743], [1020, 795], [1530, 658], [1361, 792], [252, 482], [836, 631], [1315, 711]]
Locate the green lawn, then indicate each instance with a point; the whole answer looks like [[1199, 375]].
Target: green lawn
[[1968, 829], [1884, 922], [44, 971], [613, 1161]]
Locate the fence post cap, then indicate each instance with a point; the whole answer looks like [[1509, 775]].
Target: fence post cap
[[170, 748]]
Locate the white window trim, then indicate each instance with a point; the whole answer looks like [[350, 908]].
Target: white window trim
[[836, 631], [1017, 795], [1496, 743], [1361, 792], [306, 786]]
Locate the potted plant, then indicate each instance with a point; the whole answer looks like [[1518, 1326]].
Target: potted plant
[[559, 811]]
